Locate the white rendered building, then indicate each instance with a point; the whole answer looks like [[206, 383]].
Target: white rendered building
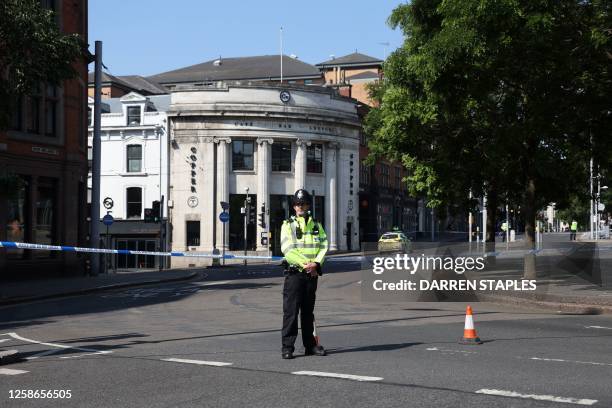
[[134, 172], [272, 139]]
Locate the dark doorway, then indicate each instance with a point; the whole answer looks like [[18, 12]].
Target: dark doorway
[[236, 223]]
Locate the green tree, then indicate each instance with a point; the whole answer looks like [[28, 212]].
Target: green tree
[[507, 98], [32, 51]]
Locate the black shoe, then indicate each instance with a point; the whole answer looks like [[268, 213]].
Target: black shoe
[[315, 351], [287, 355]]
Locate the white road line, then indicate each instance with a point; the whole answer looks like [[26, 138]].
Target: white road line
[[567, 400], [337, 375], [60, 346], [8, 371], [450, 350], [213, 283], [199, 362], [3, 340], [570, 361], [598, 327]]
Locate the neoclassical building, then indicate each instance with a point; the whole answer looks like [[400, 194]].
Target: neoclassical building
[[227, 139]]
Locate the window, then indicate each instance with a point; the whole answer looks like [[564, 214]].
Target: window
[[134, 202], [133, 115], [363, 138], [314, 158], [38, 112], [364, 174], [44, 228], [134, 158], [384, 170], [18, 225], [281, 156], [51, 101], [242, 155], [398, 177], [193, 233]]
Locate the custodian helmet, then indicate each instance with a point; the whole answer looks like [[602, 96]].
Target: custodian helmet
[[301, 197]]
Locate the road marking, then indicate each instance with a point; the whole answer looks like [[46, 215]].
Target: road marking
[[213, 283], [337, 375], [8, 371], [450, 350], [598, 327], [60, 346], [567, 400], [3, 340], [570, 361], [199, 362]]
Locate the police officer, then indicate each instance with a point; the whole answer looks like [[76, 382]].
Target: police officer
[[304, 244], [573, 230]]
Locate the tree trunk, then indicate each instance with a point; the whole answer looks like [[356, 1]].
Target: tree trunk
[[491, 221], [529, 266]]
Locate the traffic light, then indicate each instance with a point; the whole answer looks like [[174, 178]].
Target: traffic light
[[262, 216], [251, 214], [156, 211], [148, 215]]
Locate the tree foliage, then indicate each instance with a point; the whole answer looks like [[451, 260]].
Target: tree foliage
[[32, 51], [507, 98]]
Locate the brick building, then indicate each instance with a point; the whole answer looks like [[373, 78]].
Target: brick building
[[43, 158]]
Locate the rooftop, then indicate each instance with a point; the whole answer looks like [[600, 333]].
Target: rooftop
[[264, 67], [351, 60]]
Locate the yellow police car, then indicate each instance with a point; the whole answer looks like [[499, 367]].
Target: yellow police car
[[394, 241]]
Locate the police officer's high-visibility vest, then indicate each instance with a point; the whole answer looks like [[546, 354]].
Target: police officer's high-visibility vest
[[303, 241], [574, 226], [504, 226]]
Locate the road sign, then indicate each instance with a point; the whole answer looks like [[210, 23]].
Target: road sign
[[108, 220], [601, 207], [224, 217], [108, 203]]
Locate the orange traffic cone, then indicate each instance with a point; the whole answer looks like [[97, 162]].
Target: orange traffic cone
[[469, 332], [314, 332]]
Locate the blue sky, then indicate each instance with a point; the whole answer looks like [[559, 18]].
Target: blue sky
[[146, 37]]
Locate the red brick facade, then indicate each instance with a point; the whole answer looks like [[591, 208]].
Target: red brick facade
[[45, 157]]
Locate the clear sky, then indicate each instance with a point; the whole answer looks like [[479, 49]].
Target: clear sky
[[146, 37]]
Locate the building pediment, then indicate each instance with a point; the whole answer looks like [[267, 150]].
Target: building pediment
[[133, 97]]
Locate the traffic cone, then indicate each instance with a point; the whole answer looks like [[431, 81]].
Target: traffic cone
[[469, 332], [314, 332]]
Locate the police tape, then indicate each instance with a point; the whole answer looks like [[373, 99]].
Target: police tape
[[65, 248]]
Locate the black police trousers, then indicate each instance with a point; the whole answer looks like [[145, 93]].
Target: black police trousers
[[298, 297]]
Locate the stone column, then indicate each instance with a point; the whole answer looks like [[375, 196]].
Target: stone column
[[300, 164], [263, 190], [205, 193], [223, 173], [331, 195]]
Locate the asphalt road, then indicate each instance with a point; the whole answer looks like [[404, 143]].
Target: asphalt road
[[217, 343]]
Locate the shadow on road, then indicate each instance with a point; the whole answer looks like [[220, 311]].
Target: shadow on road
[[377, 347]]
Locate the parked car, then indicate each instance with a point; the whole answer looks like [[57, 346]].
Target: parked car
[[394, 241]]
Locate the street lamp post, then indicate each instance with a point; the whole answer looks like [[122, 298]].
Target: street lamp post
[[246, 219]]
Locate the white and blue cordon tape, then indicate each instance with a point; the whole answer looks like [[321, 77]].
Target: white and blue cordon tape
[[65, 248]]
